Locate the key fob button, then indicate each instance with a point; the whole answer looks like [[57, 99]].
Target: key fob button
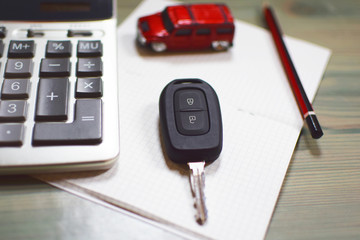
[[190, 100], [192, 123]]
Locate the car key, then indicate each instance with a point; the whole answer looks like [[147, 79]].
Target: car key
[[191, 128]]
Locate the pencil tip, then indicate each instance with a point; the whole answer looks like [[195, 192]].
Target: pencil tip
[[265, 4]]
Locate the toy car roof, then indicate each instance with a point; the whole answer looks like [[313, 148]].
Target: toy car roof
[[199, 14]]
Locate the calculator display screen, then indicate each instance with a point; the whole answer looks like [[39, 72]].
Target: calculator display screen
[[65, 7], [55, 10]]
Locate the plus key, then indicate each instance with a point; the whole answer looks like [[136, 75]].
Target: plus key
[[52, 99]]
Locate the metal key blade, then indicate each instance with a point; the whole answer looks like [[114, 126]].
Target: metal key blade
[[197, 181]]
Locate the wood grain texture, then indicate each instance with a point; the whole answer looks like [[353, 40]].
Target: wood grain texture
[[320, 198]]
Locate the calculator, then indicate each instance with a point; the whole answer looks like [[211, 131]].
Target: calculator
[[58, 81]]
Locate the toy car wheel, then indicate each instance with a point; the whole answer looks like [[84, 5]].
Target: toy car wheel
[[158, 46], [220, 45]]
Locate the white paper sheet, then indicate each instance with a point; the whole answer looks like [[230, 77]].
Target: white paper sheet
[[261, 125]]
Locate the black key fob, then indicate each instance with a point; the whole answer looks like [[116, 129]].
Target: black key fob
[[190, 121]]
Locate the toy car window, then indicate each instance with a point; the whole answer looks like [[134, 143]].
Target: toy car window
[[168, 24], [203, 31], [183, 32], [224, 30], [145, 26]]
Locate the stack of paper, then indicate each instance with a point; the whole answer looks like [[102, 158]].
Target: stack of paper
[[261, 125]]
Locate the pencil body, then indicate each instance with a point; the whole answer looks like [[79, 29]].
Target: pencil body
[[302, 100]]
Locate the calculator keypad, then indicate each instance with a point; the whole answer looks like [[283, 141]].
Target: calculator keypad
[[53, 97], [59, 108]]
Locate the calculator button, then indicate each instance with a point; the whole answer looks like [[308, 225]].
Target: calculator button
[[89, 67], [58, 49], [35, 33], [192, 123], [21, 49], [88, 88], [52, 99], [79, 33], [12, 111], [15, 89], [18, 68], [86, 128], [11, 134], [3, 32], [55, 67], [1, 48], [89, 49]]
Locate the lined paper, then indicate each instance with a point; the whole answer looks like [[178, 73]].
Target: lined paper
[[261, 126]]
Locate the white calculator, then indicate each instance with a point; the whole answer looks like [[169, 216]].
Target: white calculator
[[59, 90]]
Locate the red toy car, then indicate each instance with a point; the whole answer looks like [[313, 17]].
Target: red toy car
[[187, 27]]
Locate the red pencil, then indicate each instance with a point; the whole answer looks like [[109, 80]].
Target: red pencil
[[302, 100]]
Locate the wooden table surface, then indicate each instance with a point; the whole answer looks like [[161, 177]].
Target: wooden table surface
[[320, 198]]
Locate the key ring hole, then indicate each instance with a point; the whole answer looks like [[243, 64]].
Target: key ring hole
[[188, 81]]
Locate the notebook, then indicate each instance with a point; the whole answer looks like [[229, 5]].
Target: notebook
[[261, 126]]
